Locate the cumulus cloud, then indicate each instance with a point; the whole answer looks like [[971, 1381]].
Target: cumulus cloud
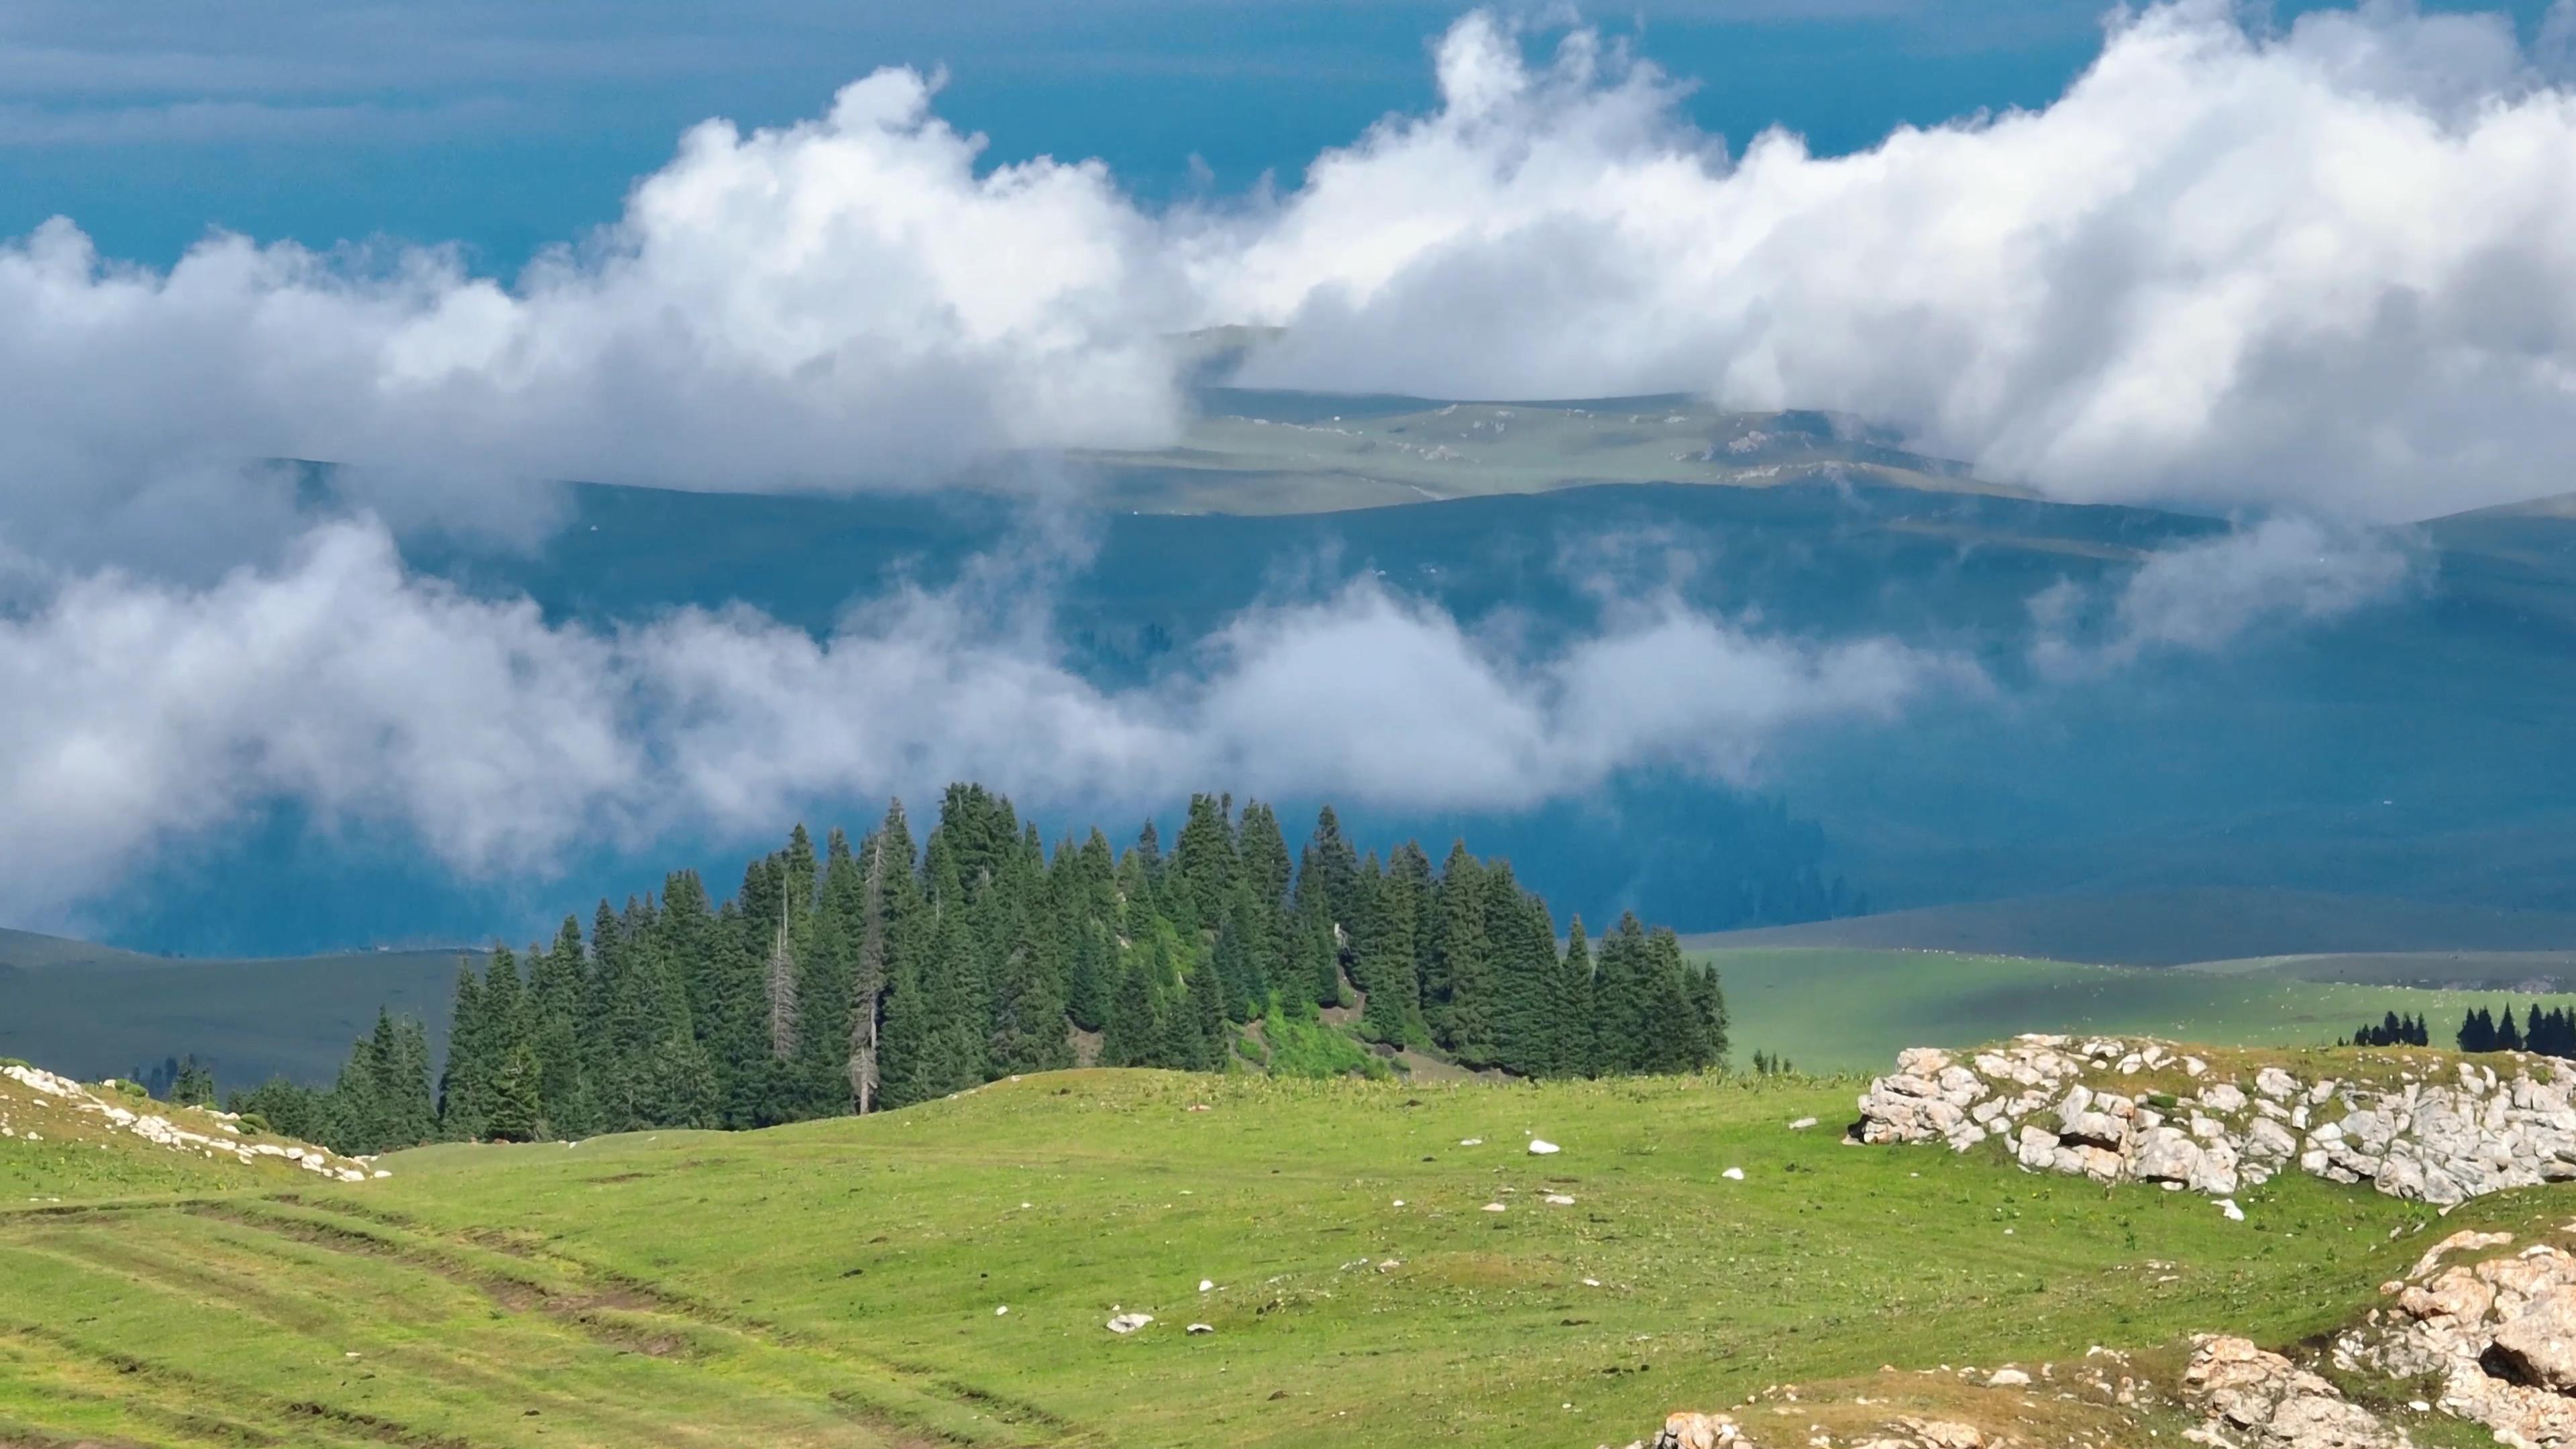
[[135, 713], [845, 301], [2332, 267], [2327, 268]]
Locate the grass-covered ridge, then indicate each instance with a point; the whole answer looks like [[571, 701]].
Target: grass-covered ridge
[[1833, 1009], [838, 1282]]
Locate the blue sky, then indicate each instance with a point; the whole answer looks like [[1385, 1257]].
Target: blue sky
[[506, 126]]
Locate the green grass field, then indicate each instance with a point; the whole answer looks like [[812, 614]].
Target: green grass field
[[839, 1283], [1852, 1010]]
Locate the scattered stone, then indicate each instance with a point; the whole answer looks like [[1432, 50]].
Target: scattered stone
[[1733, 1174], [2007, 1378], [1493, 1207], [1004, 1311], [1541, 1147], [1206, 1283], [1471, 1141], [1558, 1199], [1802, 1124], [1200, 1328], [1129, 1322]]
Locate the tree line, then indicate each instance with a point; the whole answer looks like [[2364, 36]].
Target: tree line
[[2549, 1033], [875, 974], [2391, 1030]]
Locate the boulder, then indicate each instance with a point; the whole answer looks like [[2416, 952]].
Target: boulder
[[2538, 1347], [2257, 1396]]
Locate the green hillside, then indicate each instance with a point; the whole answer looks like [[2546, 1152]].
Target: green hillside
[[841, 1282], [1256, 452], [1852, 1010]]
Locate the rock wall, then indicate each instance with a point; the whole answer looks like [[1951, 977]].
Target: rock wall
[[2430, 1127]]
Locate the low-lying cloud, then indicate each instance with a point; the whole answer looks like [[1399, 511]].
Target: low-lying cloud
[[2282, 572], [134, 713]]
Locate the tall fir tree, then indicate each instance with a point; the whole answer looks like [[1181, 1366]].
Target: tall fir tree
[[1578, 1050]]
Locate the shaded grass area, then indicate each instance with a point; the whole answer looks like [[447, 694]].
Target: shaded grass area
[[838, 1282], [1853, 1010]]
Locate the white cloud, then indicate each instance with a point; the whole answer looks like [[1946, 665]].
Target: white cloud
[[2283, 571], [2333, 268], [2329, 268], [842, 302], [133, 714]]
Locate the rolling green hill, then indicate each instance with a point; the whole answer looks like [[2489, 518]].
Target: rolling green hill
[[842, 1283], [1829, 1009]]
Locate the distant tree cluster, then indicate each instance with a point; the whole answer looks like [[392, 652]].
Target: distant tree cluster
[[2548, 1033], [877, 975], [2392, 1030], [180, 1081]]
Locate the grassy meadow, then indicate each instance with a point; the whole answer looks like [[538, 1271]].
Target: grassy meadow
[[1831, 1009], [842, 1282]]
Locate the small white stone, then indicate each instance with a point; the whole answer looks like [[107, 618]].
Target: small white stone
[[1471, 1141], [1733, 1174], [1201, 1328], [1541, 1147], [1003, 1311], [1493, 1207], [1206, 1283]]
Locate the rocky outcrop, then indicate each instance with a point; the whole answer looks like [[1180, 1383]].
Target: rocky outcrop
[[2263, 1401], [2439, 1129], [53, 1093], [2499, 1334]]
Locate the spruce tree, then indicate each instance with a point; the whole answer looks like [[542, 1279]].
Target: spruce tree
[[193, 1085], [1329, 870], [1622, 1000], [1578, 1050], [1523, 955], [907, 1052], [1028, 991], [557, 995], [463, 1099], [518, 1099], [1132, 1038]]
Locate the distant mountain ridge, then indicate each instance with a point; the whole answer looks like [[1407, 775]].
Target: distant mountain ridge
[[96, 1011], [2179, 927]]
